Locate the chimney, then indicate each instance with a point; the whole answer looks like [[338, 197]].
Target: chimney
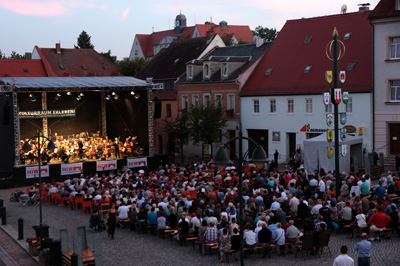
[[58, 48], [363, 7], [28, 55]]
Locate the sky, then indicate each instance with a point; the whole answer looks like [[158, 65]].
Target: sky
[[112, 24]]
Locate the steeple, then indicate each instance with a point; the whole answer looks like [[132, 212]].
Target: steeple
[[180, 23]]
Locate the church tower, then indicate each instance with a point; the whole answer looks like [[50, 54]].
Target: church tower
[[180, 23]]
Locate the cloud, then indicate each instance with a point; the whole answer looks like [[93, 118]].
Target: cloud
[[47, 8], [125, 13], [34, 8]]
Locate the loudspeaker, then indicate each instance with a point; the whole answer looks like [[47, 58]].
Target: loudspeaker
[[7, 114], [157, 109]]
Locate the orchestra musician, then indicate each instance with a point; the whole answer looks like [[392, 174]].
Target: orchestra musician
[[116, 144], [80, 148], [62, 153]]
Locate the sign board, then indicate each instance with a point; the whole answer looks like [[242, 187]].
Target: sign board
[[337, 95], [345, 97], [329, 119], [328, 76], [33, 172], [343, 118], [47, 113], [307, 128], [361, 131], [342, 76], [71, 168], [326, 98], [139, 162], [106, 165]]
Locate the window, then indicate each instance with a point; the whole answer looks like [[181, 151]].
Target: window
[[185, 102], [225, 70], [308, 106], [349, 105], [347, 36], [168, 110], [328, 108], [206, 99], [307, 39], [272, 106], [290, 106], [351, 66], [307, 69], [395, 91], [206, 71], [256, 106], [231, 102], [268, 71], [190, 72], [136, 52], [218, 100], [395, 48], [398, 5], [195, 100]]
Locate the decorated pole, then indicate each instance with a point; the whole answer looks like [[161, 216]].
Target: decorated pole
[[337, 98]]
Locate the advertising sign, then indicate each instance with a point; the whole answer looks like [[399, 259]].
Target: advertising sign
[[33, 172], [47, 113], [139, 162], [71, 169], [106, 165]]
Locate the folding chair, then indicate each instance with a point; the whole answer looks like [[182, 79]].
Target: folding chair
[[36, 199], [24, 199]]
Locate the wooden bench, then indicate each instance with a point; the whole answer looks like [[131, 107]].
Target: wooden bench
[[87, 257]]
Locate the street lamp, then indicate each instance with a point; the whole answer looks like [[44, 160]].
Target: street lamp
[[27, 147], [221, 160]]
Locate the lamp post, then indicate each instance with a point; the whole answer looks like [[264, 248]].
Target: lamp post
[[221, 159], [27, 147]]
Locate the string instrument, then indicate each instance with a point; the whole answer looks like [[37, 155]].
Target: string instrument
[[106, 151], [88, 153]]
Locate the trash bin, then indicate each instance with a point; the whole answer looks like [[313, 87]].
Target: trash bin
[[45, 229], [55, 250]]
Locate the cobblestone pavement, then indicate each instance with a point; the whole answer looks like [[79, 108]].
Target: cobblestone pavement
[[130, 248]]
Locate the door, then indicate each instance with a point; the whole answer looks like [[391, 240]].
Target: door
[[291, 144], [394, 138], [260, 137]]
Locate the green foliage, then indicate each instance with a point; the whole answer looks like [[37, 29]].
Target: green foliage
[[206, 122], [83, 41], [131, 68], [109, 56], [15, 55], [2, 55], [178, 128], [265, 33]]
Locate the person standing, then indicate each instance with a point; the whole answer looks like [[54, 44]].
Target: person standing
[[343, 259], [116, 148], [276, 156], [112, 220], [363, 249]]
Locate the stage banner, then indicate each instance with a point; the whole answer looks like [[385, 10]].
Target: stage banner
[[33, 172], [106, 165], [140, 162], [47, 113], [71, 169]]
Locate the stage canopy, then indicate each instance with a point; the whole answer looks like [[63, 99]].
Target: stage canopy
[[86, 83]]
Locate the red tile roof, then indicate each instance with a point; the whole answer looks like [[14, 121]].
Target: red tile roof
[[76, 63], [289, 55], [242, 33], [22, 68], [385, 8]]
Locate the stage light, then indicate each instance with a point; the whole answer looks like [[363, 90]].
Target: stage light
[[69, 93], [113, 93], [108, 97], [78, 98], [132, 93], [31, 95], [58, 94], [33, 98], [81, 94], [137, 96], [116, 96]]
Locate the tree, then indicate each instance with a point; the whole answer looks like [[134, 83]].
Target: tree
[[206, 123], [83, 41], [131, 68], [15, 55], [109, 56], [265, 33], [2, 55], [178, 129]]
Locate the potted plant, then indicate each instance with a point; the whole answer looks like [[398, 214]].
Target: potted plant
[[45, 256], [36, 244]]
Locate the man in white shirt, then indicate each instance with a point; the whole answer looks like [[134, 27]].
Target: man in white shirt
[[315, 209], [321, 184], [343, 259]]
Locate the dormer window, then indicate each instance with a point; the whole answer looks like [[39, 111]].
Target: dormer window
[[307, 39], [224, 70], [206, 71], [83, 67], [268, 71], [189, 71], [347, 36], [351, 66], [307, 69]]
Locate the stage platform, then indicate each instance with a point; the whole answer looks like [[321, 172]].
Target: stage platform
[[27, 174]]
